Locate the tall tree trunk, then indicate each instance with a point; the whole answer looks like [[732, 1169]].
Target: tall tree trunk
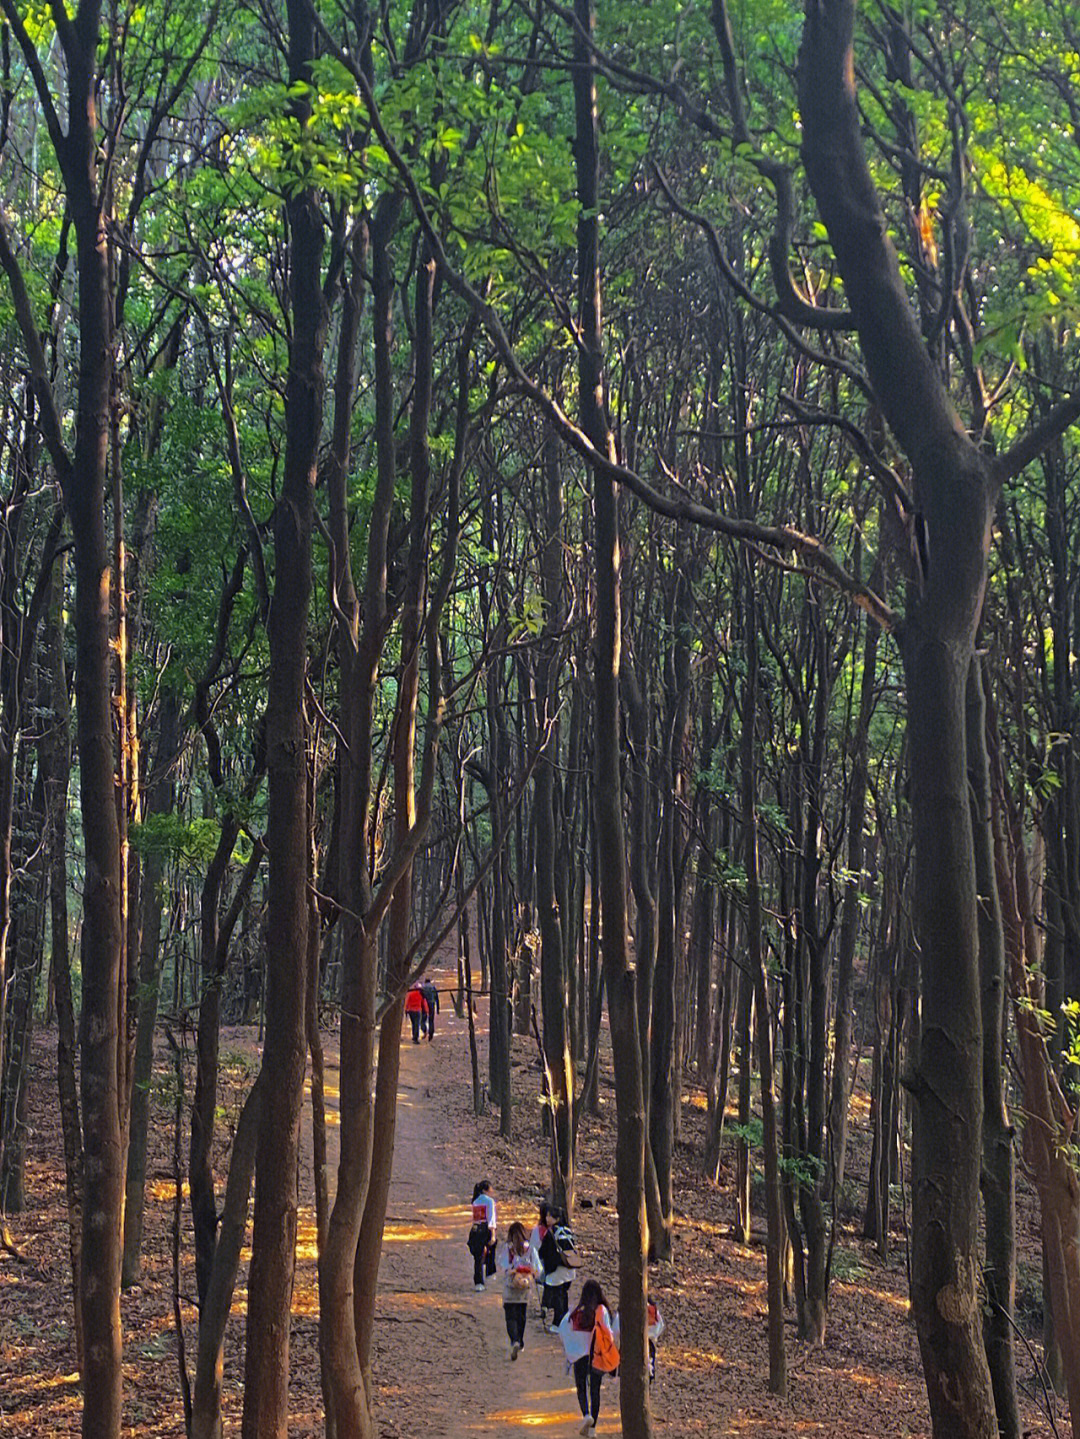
[[554, 935], [849, 921], [270, 1281], [774, 1232], [161, 796], [619, 980], [954, 492], [998, 1183]]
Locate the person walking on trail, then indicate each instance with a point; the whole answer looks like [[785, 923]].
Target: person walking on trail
[[431, 996], [520, 1267], [589, 1345], [559, 1257], [481, 1240], [536, 1239], [415, 1006], [655, 1329]]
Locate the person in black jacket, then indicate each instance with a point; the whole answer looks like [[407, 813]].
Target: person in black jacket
[[431, 994], [556, 1243]]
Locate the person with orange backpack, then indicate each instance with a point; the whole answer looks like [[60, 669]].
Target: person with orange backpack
[[590, 1348], [655, 1329]]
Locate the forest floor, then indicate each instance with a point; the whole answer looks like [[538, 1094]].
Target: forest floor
[[442, 1364]]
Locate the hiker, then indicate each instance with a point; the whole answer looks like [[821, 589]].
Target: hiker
[[520, 1267], [415, 1008], [536, 1239], [431, 995], [481, 1240], [655, 1329], [589, 1345], [559, 1258]]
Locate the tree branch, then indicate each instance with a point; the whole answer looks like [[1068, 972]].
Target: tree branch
[[1030, 446]]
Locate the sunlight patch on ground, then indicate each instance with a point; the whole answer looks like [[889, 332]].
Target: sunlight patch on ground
[[528, 1419], [895, 1301], [305, 1301], [33, 1385], [307, 1239], [410, 1234], [164, 1189], [685, 1357], [406, 1300]]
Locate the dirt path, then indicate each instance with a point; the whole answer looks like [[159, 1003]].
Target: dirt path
[[432, 1323]]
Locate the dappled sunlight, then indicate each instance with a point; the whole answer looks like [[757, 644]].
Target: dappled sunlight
[[163, 1190], [532, 1419], [34, 1384], [899, 1302], [305, 1301], [404, 1299], [689, 1359], [410, 1234]]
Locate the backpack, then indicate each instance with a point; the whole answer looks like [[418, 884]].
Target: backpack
[[565, 1247], [604, 1353]]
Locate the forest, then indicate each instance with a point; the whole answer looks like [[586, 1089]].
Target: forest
[[580, 501]]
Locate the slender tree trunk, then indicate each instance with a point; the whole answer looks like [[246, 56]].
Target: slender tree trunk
[[849, 921], [57, 757], [774, 1240], [619, 980], [998, 1183], [554, 937], [160, 799], [285, 1050], [214, 1313]]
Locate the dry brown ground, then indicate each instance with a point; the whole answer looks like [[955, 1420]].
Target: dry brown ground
[[442, 1365]]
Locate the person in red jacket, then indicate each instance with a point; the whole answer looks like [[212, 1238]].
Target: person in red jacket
[[416, 1007]]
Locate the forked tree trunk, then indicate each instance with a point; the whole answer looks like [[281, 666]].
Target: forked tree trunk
[[954, 493]]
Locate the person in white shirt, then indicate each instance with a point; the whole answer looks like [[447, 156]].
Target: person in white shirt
[[655, 1329], [481, 1239], [520, 1266], [578, 1333]]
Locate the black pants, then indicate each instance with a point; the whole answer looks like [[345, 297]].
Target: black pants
[[514, 1314], [557, 1299], [585, 1375], [483, 1254], [415, 1016], [431, 1024]]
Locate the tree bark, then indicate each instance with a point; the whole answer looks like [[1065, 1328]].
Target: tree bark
[[998, 1181], [270, 1282], [619, 980], [954, 495]]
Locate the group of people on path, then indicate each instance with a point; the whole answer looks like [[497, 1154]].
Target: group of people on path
[[589, 1332], [422, 1005]]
